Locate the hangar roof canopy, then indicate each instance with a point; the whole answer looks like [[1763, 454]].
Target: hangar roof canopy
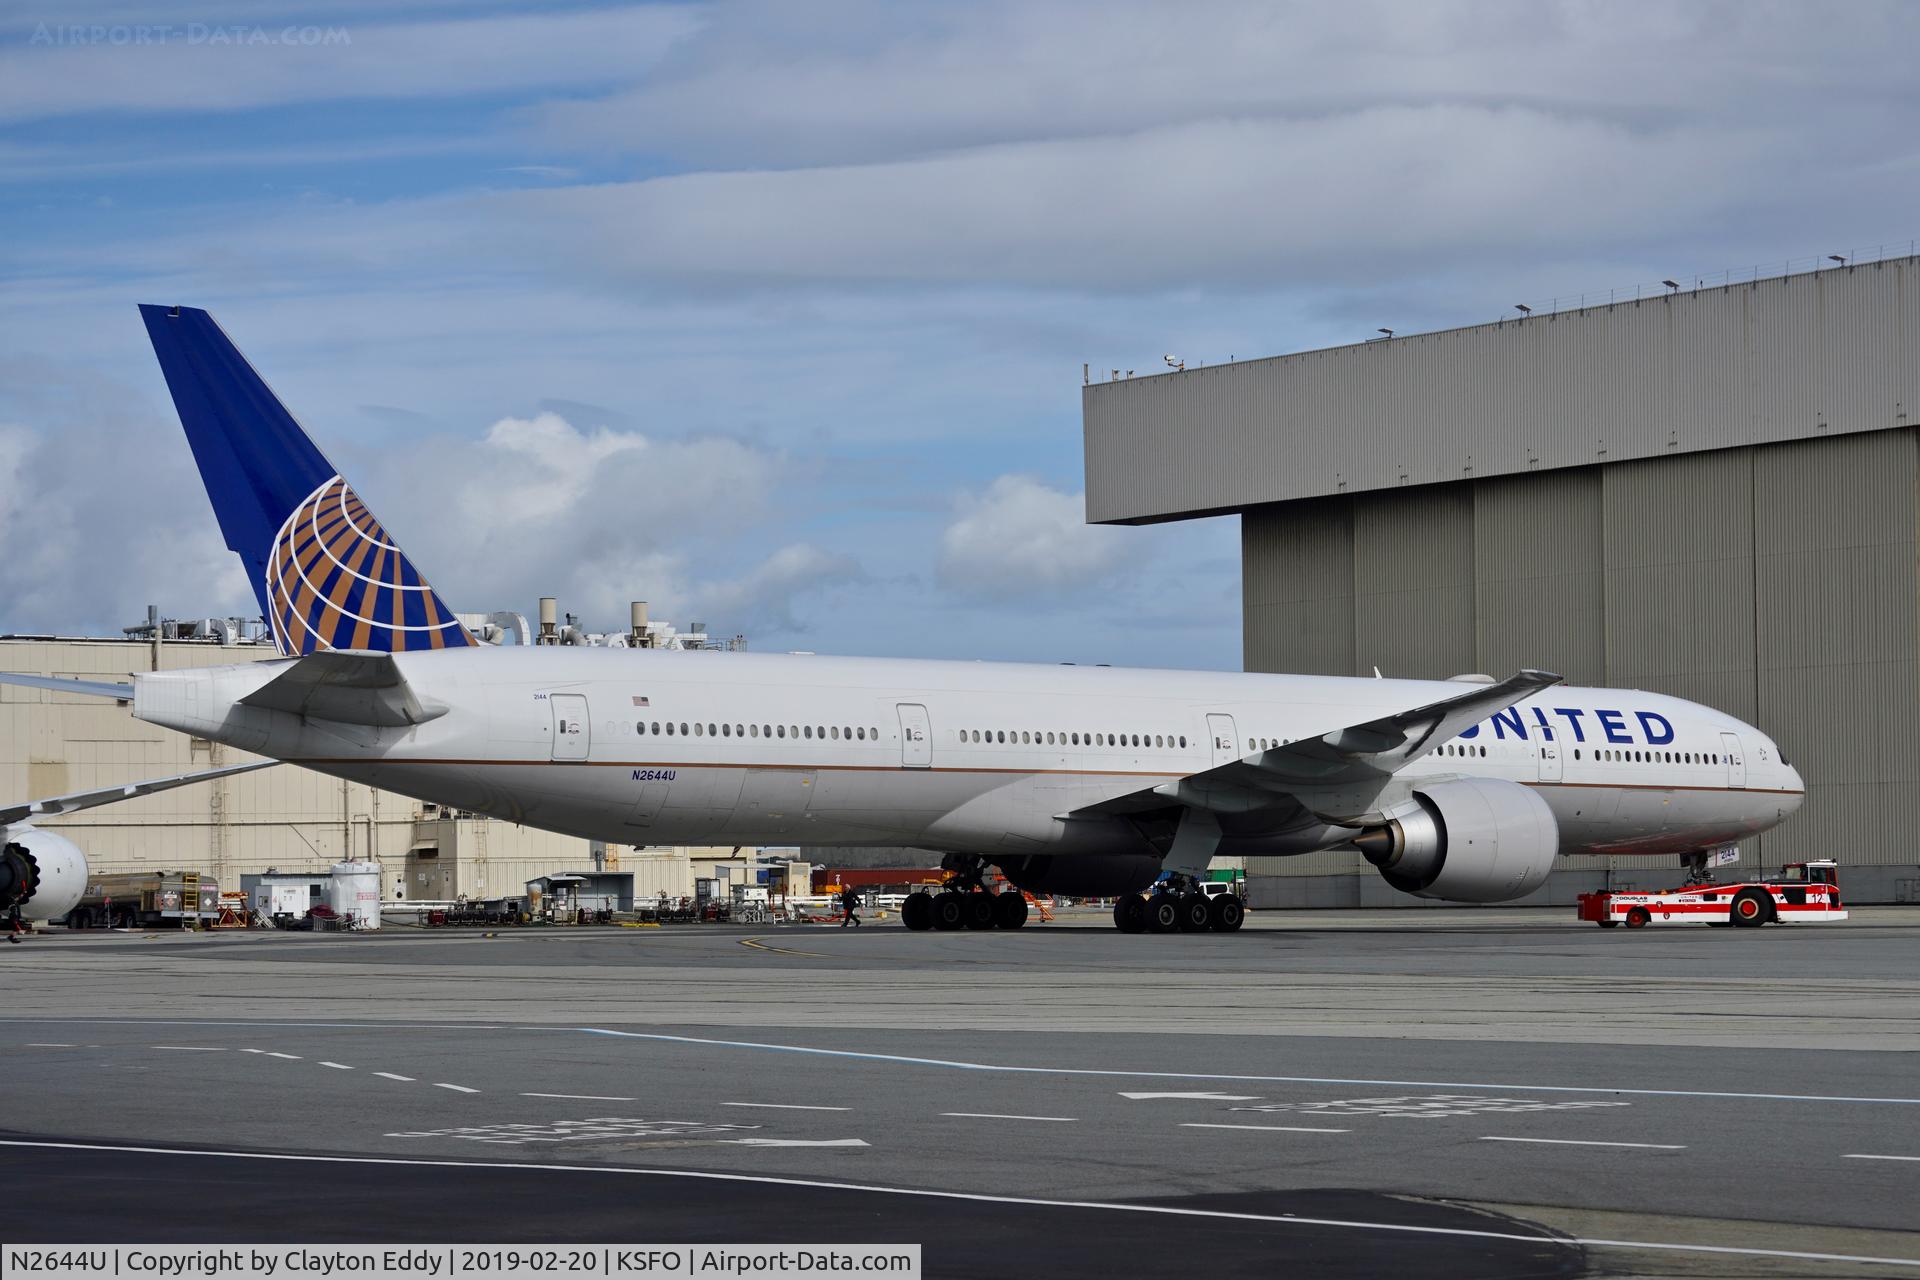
[[1786, 358]]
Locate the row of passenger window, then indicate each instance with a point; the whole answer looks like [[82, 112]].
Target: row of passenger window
[[1655, 757], [1039, 738], [1608, 755], [833, 732]]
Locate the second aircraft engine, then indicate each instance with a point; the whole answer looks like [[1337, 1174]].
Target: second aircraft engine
[[1475, 840], [41, 873]]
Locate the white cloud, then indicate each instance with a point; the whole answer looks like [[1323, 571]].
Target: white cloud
[[599, 517], [1354, 198], [104, 513], [1021, 538], [858, 81], [92, 527], [61, 67], [1235, 203], [767, 593]]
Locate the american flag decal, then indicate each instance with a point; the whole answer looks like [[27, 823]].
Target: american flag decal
[[639, 701]]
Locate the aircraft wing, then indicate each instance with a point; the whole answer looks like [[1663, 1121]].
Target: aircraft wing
[[345, 685], [91, 688], [1354, 756], [10, 814]]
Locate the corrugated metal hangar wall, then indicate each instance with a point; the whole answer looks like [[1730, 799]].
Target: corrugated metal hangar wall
[[1715, 495]]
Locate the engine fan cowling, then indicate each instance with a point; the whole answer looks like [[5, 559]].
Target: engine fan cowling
[[1082, 875], [1475, 840], [43, 874]]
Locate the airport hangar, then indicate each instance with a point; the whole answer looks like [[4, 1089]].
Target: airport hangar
[[1711, 493]]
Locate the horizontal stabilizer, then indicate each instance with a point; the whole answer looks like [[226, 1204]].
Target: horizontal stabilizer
[[56, 805], [90, 688], [345, 686]]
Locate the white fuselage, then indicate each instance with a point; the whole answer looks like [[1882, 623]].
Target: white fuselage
[[659, 748]]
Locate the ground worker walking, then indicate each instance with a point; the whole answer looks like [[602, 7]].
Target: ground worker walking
[[850, 903]]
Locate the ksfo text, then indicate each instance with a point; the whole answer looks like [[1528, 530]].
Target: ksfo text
[[708, 1260]]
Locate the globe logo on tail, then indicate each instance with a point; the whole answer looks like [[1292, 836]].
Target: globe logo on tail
[[335, 580]]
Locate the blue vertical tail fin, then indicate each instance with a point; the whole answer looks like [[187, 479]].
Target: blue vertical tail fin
[[325, 571]]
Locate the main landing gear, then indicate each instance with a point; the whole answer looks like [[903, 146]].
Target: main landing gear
[[1178, 906], [965, 902]]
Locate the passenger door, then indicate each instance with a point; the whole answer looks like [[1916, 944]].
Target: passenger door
[[1220, 728], [916, 737], [1552, 764], [571, 735], [1736, 759]]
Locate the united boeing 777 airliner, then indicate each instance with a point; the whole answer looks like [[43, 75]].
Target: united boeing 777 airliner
[[1078, 780]]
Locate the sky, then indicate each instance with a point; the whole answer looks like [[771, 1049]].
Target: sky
[[774, 315]]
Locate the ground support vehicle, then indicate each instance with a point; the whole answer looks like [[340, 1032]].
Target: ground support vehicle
[[1805, 893], [147, 899]]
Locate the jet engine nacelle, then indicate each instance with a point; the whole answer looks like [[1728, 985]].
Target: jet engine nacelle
[[41, 873], [1476, 840], [1082, 875]]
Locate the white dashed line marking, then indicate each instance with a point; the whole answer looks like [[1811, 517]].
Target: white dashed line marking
[[581, 1097], [53, 1046], [457, 1088], [388, 1075], [1858, 1156], [192, 1048], [290, 1057], [1580, 1142], [784, 1106], [1263, 1128], [988, 1115], [337, 1066]]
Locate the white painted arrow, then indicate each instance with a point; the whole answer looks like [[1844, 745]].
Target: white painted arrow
[[1197, 1097], [796, 1142]]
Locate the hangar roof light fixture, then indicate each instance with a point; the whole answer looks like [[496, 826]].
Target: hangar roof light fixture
[[1834, 257], [1672, 284], [1523, 308], [1388, 332]]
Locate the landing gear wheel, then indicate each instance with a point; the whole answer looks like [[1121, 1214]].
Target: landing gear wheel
[[1163, 913], [1226, 913], [1637, 918], [1130, 914], [1010, 909], [978, 907], [917, 911], [1751, 908], [1196, 916], [949, 911]]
